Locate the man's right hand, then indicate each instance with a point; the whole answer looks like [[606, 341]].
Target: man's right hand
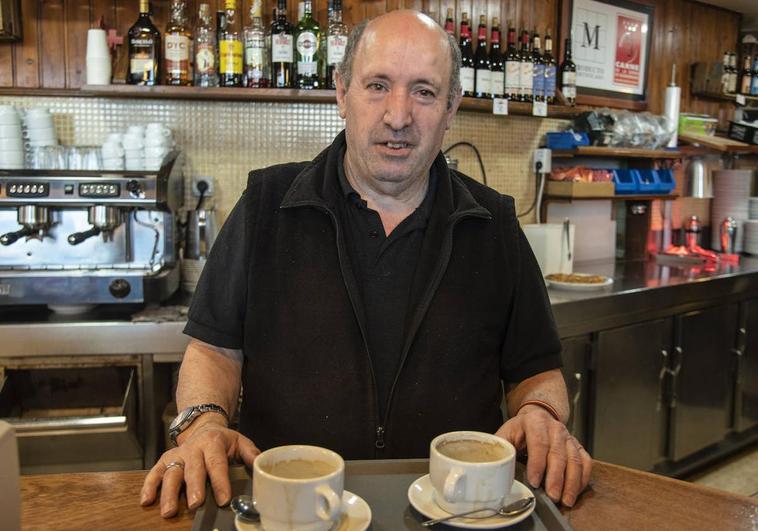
[[204, 450]]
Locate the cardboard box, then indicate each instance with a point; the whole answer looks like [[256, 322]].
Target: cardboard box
[[743, 132], [579, 189]]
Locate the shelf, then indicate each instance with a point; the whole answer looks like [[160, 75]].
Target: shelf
[[615, 197], [723, 97], [720, 144], [599, 151]]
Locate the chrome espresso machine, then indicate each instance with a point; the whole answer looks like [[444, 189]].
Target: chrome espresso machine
[[89, 237]]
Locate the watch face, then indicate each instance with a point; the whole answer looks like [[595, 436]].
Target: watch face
[[181, 418]]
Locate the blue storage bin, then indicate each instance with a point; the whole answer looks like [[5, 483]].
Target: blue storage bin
[[647, 183], [625, 182], [566, 140], [666, 182]]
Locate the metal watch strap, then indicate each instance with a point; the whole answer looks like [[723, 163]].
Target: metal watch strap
[[192, 413]]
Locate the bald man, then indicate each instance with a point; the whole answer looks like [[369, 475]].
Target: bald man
[[372, 298]]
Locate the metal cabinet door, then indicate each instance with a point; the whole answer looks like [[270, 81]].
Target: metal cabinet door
[[575, 353], [629, 413], [747, 390], [703, 360]]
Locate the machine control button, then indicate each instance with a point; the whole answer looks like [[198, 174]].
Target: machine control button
[[120, 288], [28, 190], [99, 190], [134, 188], [68, 189]]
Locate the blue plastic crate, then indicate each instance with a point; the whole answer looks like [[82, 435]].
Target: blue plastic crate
[[625, 182], [647, 182], [666, 182], [566, 140]]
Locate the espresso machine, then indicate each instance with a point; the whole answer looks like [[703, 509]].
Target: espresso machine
[[89, 237]]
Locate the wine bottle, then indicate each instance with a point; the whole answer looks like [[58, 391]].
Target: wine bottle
[[467, 58], [527, 69], [568, 75], [282, 50], [538, 69], [497, 61], [482, 62], [450, 22], [512, 67], [550, 68]]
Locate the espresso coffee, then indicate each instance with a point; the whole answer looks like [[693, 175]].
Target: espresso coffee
[[472, 450], [298, 469]]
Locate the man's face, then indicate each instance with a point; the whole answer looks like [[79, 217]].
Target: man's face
[[396, 106]]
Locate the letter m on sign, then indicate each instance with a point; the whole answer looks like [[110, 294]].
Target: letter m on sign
[[591, 36]]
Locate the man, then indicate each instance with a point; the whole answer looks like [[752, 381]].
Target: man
[[372, 299]]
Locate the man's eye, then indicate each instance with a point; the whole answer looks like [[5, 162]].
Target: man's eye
[[376, 86], [426, 93]]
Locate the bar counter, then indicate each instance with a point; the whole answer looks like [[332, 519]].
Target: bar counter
[[618, 498]]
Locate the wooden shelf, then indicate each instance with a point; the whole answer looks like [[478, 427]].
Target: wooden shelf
[[599, 151], [723, 97], [615, 197], [720, 144]]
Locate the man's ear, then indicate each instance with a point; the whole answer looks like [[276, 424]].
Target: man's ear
[[341, 94], [452, 110]]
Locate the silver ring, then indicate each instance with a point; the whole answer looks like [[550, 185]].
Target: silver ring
[[172, 464]]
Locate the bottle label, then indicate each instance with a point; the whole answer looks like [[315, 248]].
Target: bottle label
[[467, 79], [142, 66], [230, 55], [497, 83], [527, 67], [512, 76], [307, 68], [281, 48], [550, 81], [307, 45], [335, 49], [754, 88], [177, 49], [483, 81], [205, 58], [538, 78], [254, 55], [569, 78]]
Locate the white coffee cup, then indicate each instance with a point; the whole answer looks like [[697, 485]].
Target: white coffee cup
[[470, 470], [156, 152], [12, 157], [43, 133], [112, 150], [157, 140], [9, 115], [298, 487], [10, 131], [133, 142], [113, 164], [136, 130], [11, 144], [38, 121]]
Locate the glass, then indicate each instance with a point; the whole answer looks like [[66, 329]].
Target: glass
[[84, 158], [48, 158]]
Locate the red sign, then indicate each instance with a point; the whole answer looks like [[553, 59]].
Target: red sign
[[628, 51]]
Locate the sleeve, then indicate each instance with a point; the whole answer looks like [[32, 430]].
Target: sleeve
[[531, 343], [217, 312]]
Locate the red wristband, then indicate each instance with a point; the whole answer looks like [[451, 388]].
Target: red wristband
[[546, 406]]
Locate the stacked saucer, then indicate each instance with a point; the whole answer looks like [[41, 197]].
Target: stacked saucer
[[731, 190], [753, 208], [39, 128], [11, 139], [751, 236]]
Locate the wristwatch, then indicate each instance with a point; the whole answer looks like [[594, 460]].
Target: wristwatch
[[188, 415]]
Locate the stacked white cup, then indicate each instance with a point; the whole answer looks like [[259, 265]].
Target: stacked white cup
[[98, 58], [39, 127], [112, 152], [11, 139], [134, 147], [158, 143]]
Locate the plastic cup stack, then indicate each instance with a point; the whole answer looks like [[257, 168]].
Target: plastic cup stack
[[98, 58]]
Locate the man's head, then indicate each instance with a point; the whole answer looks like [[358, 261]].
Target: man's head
[[398, 89]]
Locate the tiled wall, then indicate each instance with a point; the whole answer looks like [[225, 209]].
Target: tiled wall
[[227, 139]]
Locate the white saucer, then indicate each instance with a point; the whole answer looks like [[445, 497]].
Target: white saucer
[[356, 516], [421, 496]]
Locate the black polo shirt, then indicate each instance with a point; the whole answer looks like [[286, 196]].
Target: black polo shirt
[[383, 267]]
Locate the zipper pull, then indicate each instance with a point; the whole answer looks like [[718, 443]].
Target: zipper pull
[[379, 437]]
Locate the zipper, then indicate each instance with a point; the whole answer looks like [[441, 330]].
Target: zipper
[[379, 442]]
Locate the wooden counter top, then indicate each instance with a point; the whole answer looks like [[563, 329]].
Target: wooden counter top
[[619, 498]]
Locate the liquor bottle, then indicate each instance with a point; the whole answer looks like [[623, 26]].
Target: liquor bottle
[[497, 61], [527, 69], [512, 67], [482, 62], [282, 52], [307, 47], [754, 85], [550, 68], [538, 69], [733, 73], [230, 48], [144, 41], [257, 63], [178, 47], [568, 76], [746, 81], [335, 43], [206, 71], [220, 23], [725, 69], [467, 58], [450, 22]]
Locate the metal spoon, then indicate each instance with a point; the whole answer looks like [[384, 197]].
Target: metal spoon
[[512, 509], [244, 507]]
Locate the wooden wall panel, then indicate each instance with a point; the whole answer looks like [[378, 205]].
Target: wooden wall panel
[[6, 65], [27, 51], [52, 54], [76, 25]]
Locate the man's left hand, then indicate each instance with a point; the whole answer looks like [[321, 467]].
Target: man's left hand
[[552, 452]]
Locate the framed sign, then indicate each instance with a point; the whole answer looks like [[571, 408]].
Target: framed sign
[[10, 20], [610, 42]]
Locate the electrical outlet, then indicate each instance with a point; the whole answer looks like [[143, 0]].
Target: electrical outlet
[[202, 178], [543, 156]]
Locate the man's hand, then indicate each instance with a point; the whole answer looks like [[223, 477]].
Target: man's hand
[[207, 450], [552, 452]]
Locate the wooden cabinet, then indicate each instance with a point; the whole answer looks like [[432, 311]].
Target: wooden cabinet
[[746, 396]]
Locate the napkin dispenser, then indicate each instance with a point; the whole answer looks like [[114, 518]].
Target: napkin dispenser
[[552, 245], [10, 488]]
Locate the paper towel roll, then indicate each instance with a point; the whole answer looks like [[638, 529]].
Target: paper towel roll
[[671, 110]]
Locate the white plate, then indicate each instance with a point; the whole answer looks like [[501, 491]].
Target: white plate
[[356, 516], [421, 496], [579, 286]]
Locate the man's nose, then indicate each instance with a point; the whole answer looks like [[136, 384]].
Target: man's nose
[[398, 112]]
